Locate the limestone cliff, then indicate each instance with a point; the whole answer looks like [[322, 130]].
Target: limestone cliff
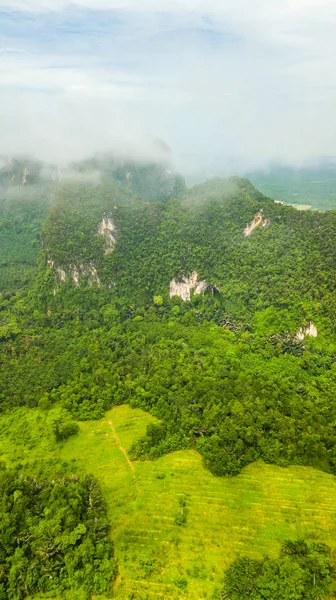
[[184, 287], [256, 221], [309, 331], [107, 229]]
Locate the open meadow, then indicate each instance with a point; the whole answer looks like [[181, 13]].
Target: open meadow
[[248, 514], [175, 526]]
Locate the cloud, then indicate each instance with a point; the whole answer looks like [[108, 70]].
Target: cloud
[[223, 83]]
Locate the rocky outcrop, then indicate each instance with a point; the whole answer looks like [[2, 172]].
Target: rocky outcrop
[[257, 220], [107, 228], [59, 273], [184, 287], [75, 272], [88, 271], [309, 331], [24, 176]]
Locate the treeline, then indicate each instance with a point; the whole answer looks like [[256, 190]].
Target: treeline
[[234, 396], [54, 534], [26, 188], [288, 264], [23, 213], [225, 374], [154, 182], [302, 572]]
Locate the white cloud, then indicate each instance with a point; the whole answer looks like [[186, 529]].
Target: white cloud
[[215, 78]]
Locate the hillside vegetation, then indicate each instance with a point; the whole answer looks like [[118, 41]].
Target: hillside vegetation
[[26, 189], [230, 372], [239, 367], [177, 528]]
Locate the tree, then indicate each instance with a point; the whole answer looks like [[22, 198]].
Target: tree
[[241, 579], [281, 579]]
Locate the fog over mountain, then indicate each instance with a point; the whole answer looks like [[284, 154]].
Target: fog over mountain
[[231, 84]]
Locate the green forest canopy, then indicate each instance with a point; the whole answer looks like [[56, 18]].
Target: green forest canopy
[[225, 373]]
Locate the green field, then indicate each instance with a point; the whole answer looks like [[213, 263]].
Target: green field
[[306, 185], [248, 514]]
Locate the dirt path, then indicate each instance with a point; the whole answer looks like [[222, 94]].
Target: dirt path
[[122, 449]]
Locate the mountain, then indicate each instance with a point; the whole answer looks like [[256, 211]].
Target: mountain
[[26, 190], [211, 315], [152, 181], [257, 253]]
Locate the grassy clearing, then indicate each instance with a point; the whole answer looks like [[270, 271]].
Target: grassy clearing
[[252, 513], [249, 514]]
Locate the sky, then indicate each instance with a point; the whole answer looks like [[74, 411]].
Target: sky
[[225, 84]]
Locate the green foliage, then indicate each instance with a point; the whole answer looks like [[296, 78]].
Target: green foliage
[[225, 373], [181, 583], [53, 535], [19, 171], [37, 431], [26, 186], [23, 213], [63, 428], [295, 575], [152, 181], [181, 515], [234, 396], [247, 515]]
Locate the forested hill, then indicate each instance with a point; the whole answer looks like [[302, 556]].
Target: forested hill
[[255, 253], [214, 311], [27, 187]]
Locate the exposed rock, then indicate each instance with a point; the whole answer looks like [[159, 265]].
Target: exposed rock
[[76, 276], [92, 274], [183, 288], [75, 273], [107, 228], [310, 331], [24, 176], [61, 274], [201, 287], [257, 220], [58, 272]]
